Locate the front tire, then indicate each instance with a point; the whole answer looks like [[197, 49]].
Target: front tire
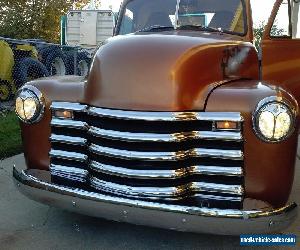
[[55, 61], [83, 63]]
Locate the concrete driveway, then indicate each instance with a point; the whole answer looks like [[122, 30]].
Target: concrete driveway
[[25, 224]]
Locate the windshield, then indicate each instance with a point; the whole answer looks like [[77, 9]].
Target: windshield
[[228, 16]]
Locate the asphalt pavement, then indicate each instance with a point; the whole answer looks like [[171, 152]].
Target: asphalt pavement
[[25, 224]]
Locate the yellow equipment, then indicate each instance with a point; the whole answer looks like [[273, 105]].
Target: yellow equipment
[[6, 68], [8, 58], [6, 61], [29, 48]]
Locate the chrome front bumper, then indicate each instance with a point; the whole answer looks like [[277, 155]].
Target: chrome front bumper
[[36, 185]]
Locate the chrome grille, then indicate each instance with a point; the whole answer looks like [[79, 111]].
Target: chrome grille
[[169, 157]]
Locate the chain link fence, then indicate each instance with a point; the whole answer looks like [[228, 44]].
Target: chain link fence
[[25, 60]]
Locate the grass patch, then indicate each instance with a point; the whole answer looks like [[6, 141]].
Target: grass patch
[[10, 135]]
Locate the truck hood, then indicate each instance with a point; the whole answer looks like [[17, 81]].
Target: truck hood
[[168, 71]]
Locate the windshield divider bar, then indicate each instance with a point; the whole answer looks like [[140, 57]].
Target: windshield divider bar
[[176, 15]]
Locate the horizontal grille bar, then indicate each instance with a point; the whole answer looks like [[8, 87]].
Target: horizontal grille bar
[[167, 156], [68, 106], [65, 123], [166, 192], [70, 173], [149, 116], [176, 137], [165, 174], [72, 156], [68, 140], [165, 116], [205, 198]]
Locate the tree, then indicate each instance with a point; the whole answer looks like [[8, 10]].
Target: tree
[[259, 31], [22, 19], [258, 34]]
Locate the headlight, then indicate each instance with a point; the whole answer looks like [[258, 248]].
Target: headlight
[[30, 104], [273, 120]]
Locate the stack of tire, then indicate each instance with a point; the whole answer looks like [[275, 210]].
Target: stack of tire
[[51, 56], [22, 63], [59, 62], [18, 64], [81, 59], [54, 60], [27, 66]]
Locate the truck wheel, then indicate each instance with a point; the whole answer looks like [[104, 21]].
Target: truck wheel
[[28, 69], [56, 62], [83, 63], [44, 52], [5, 91]]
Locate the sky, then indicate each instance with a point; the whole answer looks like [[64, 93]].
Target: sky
[[261, 8], [114, 3]]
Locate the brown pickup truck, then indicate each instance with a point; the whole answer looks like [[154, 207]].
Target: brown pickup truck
[[179, 124]]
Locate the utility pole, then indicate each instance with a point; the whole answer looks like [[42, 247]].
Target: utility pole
[[295, 18]]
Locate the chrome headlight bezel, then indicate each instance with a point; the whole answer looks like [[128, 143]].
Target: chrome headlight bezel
[[32, 92], [263, 106]]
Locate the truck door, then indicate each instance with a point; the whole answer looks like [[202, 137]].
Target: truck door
[[281, 46], [88, 28]]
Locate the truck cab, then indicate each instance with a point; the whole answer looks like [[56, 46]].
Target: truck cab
[[179, 124]]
